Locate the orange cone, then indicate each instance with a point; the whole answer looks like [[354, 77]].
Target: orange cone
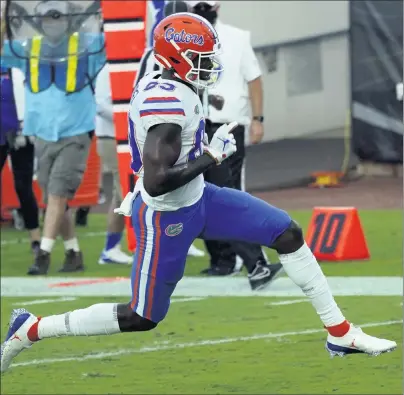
[[336, 234]]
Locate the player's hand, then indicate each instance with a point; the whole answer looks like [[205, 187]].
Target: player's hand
[[223, 143]]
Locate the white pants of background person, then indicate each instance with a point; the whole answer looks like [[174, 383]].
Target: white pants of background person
[[112, 253], [107, 150]]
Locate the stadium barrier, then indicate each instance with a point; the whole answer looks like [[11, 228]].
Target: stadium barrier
[[86, 195], [125, 37]]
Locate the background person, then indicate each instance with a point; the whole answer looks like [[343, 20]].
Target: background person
[[238, 93], [60, 113], [21, 152], [107, 150]]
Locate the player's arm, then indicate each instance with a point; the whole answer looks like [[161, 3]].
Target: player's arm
[[161, 151]]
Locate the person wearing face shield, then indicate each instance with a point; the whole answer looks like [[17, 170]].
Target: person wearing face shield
[[60, 64], [227, 101], [148, 65]]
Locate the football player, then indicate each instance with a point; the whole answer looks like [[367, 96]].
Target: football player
[[172, 205]]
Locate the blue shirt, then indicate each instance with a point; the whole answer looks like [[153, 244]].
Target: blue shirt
[[53, 114], [8, 111]]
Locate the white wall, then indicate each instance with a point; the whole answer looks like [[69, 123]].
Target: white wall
[[277, 21], [291, 116]]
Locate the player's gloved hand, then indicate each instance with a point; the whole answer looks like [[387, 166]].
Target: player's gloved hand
[[223, 143]]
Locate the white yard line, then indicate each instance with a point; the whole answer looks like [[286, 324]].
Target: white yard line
[[44, 301], [174, 346], [51, 287], [180, 300], [25, 240], [69, 299], [286, 302]]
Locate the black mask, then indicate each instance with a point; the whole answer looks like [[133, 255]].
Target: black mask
[[205, 11], [173, 7], [210, 16]]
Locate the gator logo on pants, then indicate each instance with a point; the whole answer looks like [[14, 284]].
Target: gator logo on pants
[[174, 229]]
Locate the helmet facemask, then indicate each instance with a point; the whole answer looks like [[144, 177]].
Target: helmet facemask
[[192, 54], [206, 68]]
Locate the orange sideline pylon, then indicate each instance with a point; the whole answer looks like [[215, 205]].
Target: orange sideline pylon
[[86, 195], [125, 42], [336, 234]]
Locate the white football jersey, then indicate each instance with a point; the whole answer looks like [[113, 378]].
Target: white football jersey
[[155, 101]]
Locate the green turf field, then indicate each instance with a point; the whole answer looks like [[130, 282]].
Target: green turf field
[[208, 346], [214, 345], [383, 230]]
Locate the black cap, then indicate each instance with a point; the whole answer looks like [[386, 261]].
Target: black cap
[[173, 7]]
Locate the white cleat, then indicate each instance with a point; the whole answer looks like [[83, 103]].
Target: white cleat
[[357, 342], [115, 256], [17, 337], [195, 252]]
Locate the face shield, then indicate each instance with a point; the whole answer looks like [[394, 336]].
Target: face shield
[[54, 22], [55, 26], [206, 9]]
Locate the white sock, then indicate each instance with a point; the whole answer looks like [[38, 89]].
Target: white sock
[[72, 244], [302, 268], [47, 244], [98, 319]]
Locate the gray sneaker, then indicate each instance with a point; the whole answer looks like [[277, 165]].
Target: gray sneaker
[[41, 264], [73, 262]]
